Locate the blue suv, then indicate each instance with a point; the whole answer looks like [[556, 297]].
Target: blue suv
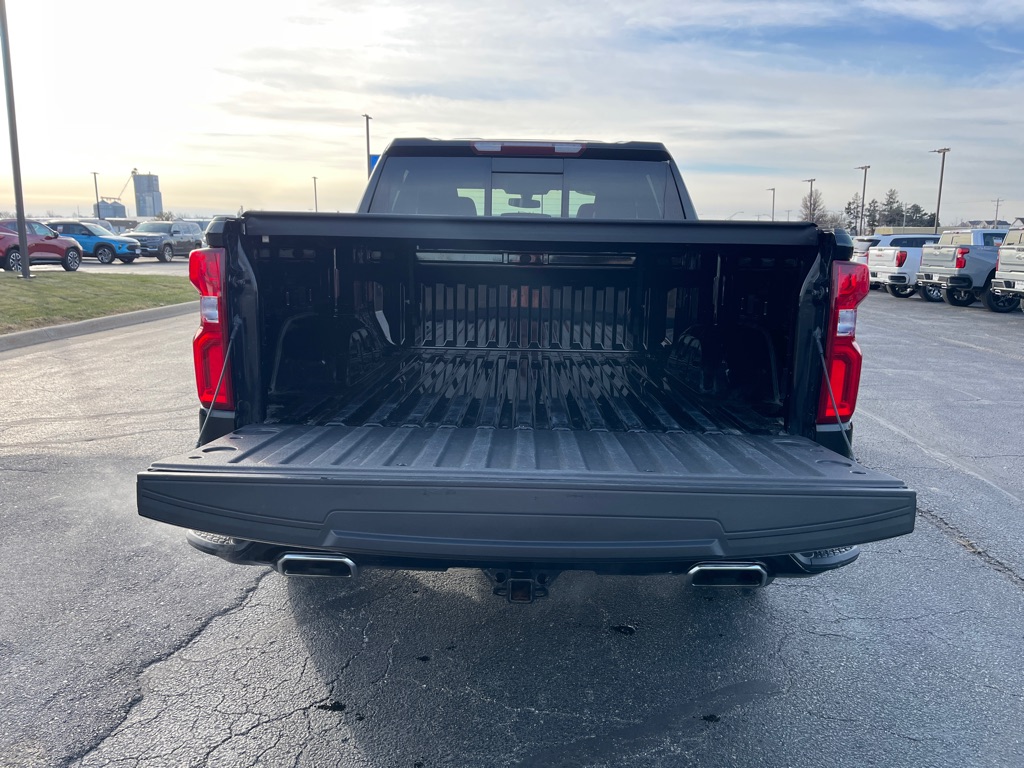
[[97, 241]]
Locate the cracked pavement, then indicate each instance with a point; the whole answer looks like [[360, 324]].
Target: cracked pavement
[[159, 656]]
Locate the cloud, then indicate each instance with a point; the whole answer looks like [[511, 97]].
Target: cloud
[[747, 94]]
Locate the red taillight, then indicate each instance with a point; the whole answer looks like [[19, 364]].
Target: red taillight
[[901, 258], [961, 261], [206, 271], [850, 286]]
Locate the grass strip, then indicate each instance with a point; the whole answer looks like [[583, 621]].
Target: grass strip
[[52, 298]]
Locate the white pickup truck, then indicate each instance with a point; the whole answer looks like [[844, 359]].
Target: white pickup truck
[[1009, 279], [894, 266], [963, 264]]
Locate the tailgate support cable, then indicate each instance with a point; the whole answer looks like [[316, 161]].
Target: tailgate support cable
[[831, 394], [220, 380]]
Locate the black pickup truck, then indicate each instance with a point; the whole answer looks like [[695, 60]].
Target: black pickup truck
[[526, 358]]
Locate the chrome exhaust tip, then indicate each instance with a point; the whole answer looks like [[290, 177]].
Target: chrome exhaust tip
[[316, 565], [749, 575]]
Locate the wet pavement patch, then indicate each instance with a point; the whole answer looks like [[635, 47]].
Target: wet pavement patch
[[624, 629]]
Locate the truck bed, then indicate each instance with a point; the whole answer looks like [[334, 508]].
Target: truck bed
[[426, 392]]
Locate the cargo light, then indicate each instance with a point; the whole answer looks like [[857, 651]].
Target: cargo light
[[571, 149], [901, 258], [843, 359], [206, 267], [961, 261]]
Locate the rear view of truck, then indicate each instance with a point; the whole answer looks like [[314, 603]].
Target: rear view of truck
[[1009, 279], [963, 266], [527, 358]]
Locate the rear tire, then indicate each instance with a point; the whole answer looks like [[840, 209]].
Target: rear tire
[[166, 253], [12, 261], [104, 254], [72, 260], [901, 291], [930, 293], [959, 297], [1000, 304]]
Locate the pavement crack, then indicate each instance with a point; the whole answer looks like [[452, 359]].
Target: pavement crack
[[137, 699], [960, 538]]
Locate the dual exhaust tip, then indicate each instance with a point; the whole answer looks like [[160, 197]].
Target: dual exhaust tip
[[748, 575], [316, 565]]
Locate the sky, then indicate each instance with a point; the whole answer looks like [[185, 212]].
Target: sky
[[239, 105]]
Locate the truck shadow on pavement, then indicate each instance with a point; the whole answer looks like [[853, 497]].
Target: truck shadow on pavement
[[432, 669]]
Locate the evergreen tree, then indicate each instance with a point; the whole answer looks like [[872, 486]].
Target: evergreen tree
[[892, 210], [871, 215], [852, 214]]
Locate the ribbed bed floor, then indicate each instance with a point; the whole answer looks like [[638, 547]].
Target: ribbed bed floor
[[537, 389]]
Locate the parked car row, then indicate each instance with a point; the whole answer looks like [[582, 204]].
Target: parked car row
[[959, 267], [66, 241]]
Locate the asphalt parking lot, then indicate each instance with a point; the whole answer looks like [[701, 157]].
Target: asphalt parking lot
[[121, 645]]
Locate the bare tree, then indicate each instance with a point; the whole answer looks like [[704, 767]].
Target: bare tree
[[166, 216], [812, 207]]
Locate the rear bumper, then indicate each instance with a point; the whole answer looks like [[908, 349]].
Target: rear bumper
[[945, 278], [1008, 284], [891, 276]]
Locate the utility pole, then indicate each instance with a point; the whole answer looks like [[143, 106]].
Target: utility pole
[[772, 190], [788, 211], [997, 201], [12, 127], [863, 191], [810, 199], [316, 205], [369, 166], [942, 172]]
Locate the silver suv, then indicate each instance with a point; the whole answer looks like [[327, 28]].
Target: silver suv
[[166, 239]]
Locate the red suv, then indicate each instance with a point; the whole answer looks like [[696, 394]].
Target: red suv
[[45, 245]]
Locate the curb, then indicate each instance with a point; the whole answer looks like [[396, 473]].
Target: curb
[[21, 339]]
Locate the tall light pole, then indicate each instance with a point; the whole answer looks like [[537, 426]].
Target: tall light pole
[[810, 199], [733, 214], [772, 190], [96, 187], [863, 191], [369, 166], [12, 126], [942, 171], [316, 205]]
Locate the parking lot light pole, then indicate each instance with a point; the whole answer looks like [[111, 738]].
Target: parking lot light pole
[[96, 188], [316, 205], [369, 167], [863, 191], [942, 171], [12, 127], [772, 190]]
